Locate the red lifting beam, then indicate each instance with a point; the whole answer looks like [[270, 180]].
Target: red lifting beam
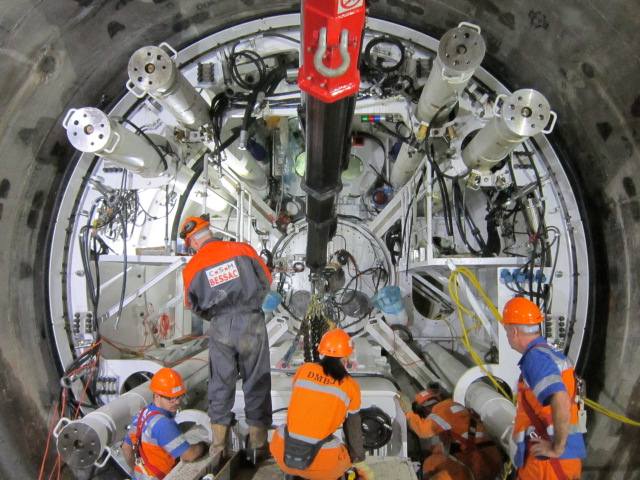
[[331, 39]]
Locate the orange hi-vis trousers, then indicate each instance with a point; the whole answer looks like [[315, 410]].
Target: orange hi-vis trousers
[[534, 469]]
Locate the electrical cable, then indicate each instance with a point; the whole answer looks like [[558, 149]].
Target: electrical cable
[[444, 192], [384, 150], [453, 292], [124, 270], [139, 131], [252, 57], [599, 408], [406, 218], [197, 168], [459, 209], [368, 60], [281, 35], [462, 310]]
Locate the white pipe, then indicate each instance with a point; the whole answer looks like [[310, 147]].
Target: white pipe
[[91, 131], [496, 412], [152, 71], [522, 114], [82, 443], [460, 53]]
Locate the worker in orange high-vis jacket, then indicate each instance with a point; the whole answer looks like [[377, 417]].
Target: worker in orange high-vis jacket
[[548, 438], [225, 283], [452, 436], [324, 397], [154, 443]]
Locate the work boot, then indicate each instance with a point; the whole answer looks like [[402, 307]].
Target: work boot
[[218, 448], [257, 450]]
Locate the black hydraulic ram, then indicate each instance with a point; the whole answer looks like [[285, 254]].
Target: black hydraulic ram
[[332, 37], [328, 150]]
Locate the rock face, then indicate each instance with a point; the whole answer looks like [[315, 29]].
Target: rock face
[[58, 55]]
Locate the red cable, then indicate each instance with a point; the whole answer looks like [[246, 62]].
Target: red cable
[[46, 450]]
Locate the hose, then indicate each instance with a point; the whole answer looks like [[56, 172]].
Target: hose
[[598, 408], [463, 310], [453, 292]]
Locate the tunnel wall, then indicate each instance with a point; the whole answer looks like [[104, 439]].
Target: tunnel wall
[[581, 54]]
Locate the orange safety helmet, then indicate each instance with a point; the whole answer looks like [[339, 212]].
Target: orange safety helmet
[[335, 343], [192, 225], [430, 396], [520, 311], [168, 383], [426, 399]]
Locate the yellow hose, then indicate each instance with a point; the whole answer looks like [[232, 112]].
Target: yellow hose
[[596, 407], [463, 310]]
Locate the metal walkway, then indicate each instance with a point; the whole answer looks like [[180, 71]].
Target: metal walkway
[[237, 469]]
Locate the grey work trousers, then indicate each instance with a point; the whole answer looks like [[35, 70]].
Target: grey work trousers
[[238, 344]]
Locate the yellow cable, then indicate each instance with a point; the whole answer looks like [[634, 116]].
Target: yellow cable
[[596, 407], [461, 311], [453, 292]]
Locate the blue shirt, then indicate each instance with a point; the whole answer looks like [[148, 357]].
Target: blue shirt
[[164, 432], [541, 370]]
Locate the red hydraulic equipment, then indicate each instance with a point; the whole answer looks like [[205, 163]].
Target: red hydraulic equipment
[[331, 42]]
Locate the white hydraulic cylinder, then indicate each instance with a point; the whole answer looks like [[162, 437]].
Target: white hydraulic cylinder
[[246, 167], [460, 53], [90, 130], [82, 443], [405, 165], [496, 412], [153, 71], [521, 115]]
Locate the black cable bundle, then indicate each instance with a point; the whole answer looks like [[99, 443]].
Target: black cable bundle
[[313, 328]]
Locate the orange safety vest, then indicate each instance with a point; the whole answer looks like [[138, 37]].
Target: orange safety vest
[[155, 461], [471, 453], [451, 417], [319, 404], [532, 416]]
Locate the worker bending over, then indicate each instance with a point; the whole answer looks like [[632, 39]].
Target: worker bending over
[[546, 431], [324, 397], [225, 283], [154, 442], [453, 437]]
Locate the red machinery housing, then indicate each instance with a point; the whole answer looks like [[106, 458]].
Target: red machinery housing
[[331, 39]]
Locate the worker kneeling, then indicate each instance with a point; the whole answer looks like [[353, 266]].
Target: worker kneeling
[[454, 438], [154, 442], [323, 398]]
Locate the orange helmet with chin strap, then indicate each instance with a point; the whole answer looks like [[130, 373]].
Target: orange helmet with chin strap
[[191, 226], [167, 383]]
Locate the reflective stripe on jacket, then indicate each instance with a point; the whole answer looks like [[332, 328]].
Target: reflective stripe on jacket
[[225, 276], [161, 442], [545, 371], [447, 416], [319, 404]]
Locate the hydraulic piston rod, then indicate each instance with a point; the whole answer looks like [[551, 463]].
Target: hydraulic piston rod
[[460, 53], [153, 71], [523, 114], [332, 35], [497, 413], [85, 442], [91, 131]]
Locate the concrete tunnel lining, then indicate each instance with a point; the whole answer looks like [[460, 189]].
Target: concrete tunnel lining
[[582, 57]]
